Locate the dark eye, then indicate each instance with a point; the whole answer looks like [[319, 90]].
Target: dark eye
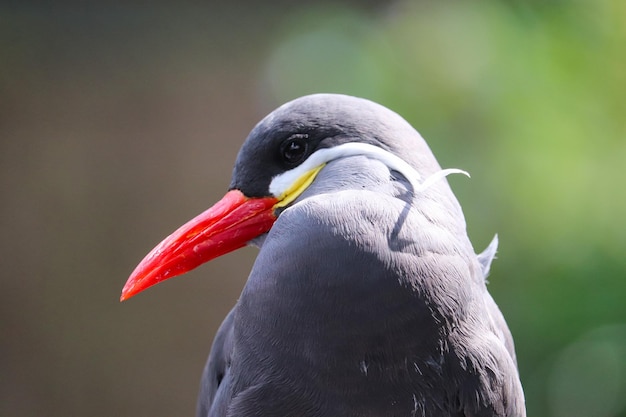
[[293, 150]]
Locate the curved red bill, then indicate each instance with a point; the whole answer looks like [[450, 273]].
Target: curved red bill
[[229, 225]]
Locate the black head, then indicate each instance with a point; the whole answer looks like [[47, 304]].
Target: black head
[[290, 134]]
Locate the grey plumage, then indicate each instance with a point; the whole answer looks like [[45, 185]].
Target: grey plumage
[[366, 298]]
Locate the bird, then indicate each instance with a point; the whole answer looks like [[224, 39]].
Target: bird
[[366, 298]]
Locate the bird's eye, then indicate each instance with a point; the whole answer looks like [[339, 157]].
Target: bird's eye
[[293, 150]]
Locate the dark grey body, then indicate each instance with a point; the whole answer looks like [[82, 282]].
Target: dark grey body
[[365, 299]]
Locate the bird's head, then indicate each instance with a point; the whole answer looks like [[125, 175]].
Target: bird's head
[[279, 160]]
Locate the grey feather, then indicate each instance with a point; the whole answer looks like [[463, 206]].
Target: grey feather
[[488, 255], [216, 375]]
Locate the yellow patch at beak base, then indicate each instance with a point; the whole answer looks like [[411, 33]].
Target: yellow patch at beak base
[[297, 187]]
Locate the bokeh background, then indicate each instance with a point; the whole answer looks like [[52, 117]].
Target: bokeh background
[[120, 121]]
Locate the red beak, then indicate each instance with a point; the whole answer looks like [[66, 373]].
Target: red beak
[[229, 225]]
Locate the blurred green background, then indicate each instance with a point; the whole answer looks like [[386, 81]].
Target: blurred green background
[[119, 122]]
